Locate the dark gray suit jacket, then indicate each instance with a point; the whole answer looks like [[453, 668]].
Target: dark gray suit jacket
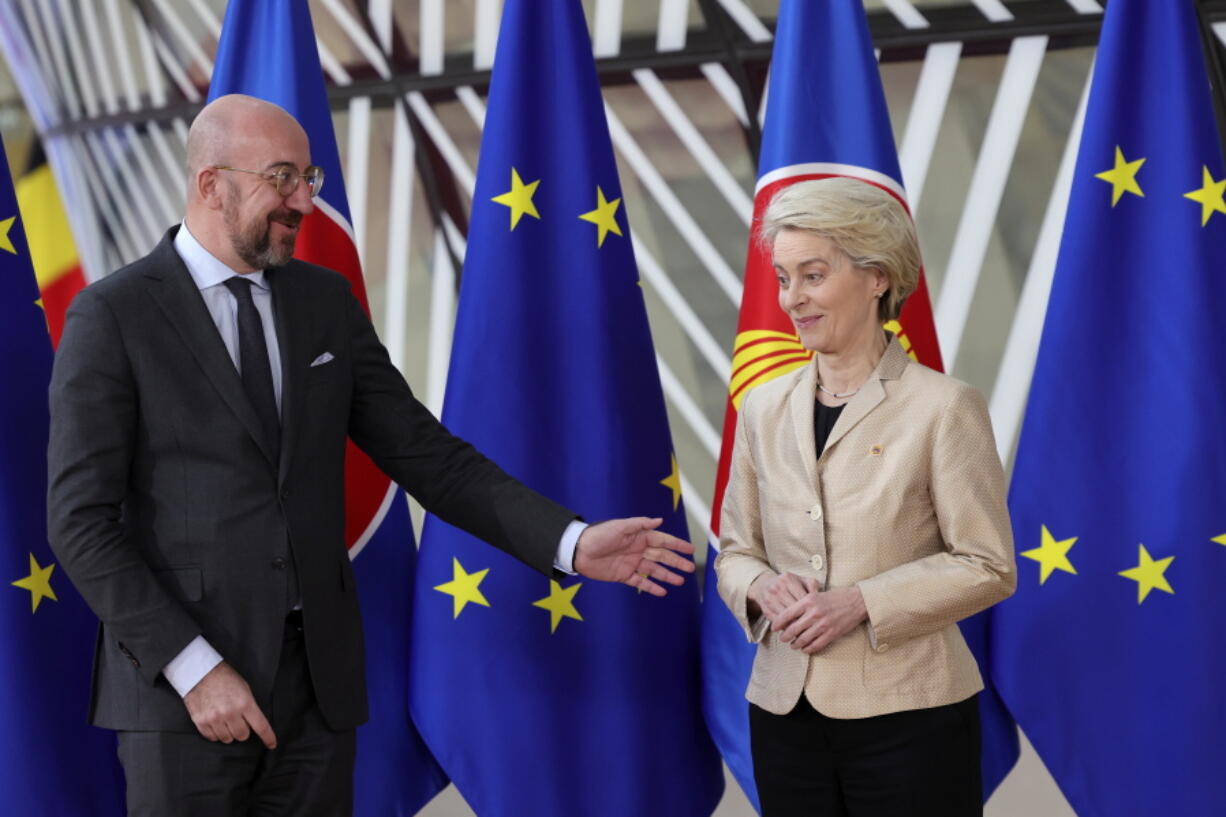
[[172, 519]]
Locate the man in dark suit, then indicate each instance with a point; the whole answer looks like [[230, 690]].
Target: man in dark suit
[[200, 403]]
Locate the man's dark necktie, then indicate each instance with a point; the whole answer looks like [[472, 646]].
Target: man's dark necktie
[[253, 362]]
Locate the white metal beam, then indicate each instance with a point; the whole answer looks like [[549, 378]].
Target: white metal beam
[[906, 13], [712, 165], [673, 24], [442, 324], [607, 30], [986, 190], [994, 10], [662, 192], [488, 16], [748, 21], [727, 89], [1008, 403], [430, 49], [927, 112], [399, 223]]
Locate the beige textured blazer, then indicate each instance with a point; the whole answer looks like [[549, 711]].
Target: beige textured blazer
[[907, 501]]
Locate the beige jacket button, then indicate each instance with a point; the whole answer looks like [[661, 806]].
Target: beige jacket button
[[815, 513], [882, 647], [817, 561]]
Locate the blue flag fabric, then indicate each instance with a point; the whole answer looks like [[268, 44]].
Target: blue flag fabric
[[267, 50], [52, 762], [826, 116], [541, 697], [1111, 653]]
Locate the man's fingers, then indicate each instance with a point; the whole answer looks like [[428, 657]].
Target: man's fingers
[[667, 557], [223, 732], [644, 522], [669, 544], [261, 726], [239, 729], [641, 582], [660, 573]]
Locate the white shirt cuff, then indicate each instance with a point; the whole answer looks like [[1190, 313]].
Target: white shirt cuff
[[565, 560], [187, 668]]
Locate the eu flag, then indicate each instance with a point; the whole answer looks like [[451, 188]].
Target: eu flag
[[1111, 654], [267, 50], [557, 697], [52, 762]]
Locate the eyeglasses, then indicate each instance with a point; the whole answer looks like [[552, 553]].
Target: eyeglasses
[[286, 180]]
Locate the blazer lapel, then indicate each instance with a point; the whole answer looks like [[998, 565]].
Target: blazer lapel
[[291, 316], [800, 406], [179, 299], [871, 394]]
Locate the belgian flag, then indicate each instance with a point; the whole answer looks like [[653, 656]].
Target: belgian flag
[[56, 263]]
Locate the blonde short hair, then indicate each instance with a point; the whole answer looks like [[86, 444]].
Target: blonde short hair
[[865, 222]]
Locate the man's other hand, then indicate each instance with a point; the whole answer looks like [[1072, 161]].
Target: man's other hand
[[223, 708]]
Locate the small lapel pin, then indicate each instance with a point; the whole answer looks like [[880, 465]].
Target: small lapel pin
[[875, 450]]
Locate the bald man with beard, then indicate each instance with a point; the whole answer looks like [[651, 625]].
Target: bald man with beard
[[200, 404]]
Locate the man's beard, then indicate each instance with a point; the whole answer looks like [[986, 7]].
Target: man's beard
[[254, 243]]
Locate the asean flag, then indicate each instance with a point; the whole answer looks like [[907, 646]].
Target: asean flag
[[267, 50], [826, 116]]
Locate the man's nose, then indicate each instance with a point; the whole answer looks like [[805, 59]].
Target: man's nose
[[300, 200]]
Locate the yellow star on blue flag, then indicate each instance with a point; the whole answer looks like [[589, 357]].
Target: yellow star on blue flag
[[38, 583]]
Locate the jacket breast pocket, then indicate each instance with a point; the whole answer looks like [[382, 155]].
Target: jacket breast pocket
[[322, 374], [186, 582]]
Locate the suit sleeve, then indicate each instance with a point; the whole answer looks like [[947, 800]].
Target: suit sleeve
[[742, 551], [447, 475], [967, 486], [94, 427]]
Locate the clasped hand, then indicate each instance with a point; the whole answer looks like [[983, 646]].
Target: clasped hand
[[805, 616]]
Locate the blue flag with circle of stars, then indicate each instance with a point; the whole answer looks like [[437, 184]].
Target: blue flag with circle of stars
[[536, 696], [52, 762], [1111, 655]]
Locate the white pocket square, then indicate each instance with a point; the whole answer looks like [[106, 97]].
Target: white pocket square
[[326, 357]]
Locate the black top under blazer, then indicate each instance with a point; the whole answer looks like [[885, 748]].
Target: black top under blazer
[[172, 519]]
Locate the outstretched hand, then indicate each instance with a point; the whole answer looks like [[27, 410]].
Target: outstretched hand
[[633, 552]]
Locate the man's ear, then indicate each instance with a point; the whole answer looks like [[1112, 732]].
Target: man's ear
[[209, 187]]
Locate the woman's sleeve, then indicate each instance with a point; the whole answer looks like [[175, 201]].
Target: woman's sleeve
[[742, 554], [977, 569]]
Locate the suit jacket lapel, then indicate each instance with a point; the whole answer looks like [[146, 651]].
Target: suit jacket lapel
[[871, 394], [179, 299], [291, 315]]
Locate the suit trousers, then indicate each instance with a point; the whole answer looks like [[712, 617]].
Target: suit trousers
[[916, 763], [309, 774]]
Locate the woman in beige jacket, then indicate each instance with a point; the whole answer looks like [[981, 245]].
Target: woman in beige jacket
[[864, 517]]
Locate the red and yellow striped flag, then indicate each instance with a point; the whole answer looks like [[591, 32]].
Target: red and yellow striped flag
[[56, 263]]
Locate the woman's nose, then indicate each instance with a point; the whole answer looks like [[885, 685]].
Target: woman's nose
[[793, 295]]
